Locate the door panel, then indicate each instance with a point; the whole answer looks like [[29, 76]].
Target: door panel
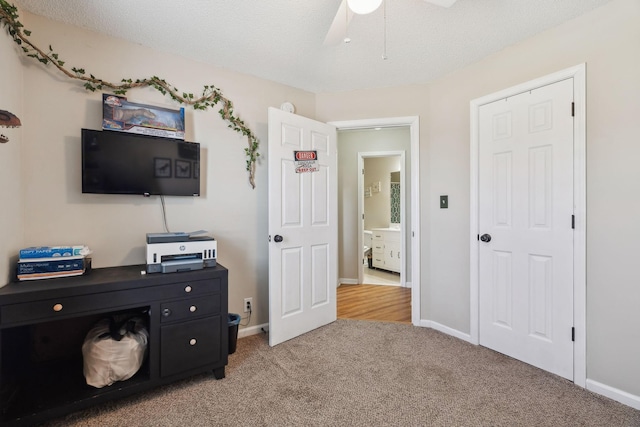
[[526, 205], [303, 266]]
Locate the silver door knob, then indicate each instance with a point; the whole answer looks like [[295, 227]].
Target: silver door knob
[[277, 238]]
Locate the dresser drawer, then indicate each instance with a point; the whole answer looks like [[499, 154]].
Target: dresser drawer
[[59, 308], [190, 308], [189, 288], [190, 345]]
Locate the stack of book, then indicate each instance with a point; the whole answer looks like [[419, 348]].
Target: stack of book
[[45, 262]]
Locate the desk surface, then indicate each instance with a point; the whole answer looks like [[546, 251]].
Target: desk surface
[[97, 280]]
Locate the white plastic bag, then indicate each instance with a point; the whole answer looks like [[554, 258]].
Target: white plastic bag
[[114, 350]]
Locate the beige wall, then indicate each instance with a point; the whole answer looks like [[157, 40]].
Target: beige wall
[[114, 226], [11, 223], [607, 40]]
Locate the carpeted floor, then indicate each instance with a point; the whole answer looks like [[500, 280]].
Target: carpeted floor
[[364, 373]]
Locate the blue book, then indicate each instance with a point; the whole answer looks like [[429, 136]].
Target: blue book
[[53, 251], [53, 266]]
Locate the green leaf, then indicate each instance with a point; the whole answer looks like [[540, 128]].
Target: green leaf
[[27, 33]]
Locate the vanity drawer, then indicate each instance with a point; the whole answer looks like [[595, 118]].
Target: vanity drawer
[[190, 308], [190, 345], [377, 245]]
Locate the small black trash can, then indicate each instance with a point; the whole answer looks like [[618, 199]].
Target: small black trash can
[[234, 321]]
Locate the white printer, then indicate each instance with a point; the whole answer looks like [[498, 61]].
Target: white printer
[[172, 252]]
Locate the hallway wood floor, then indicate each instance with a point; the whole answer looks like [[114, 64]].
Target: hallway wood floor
[[374, 302]]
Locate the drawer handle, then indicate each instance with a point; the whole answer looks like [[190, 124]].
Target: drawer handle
[[166, 312], [192, 341], [193, 308], [57, 307], [187, 289]]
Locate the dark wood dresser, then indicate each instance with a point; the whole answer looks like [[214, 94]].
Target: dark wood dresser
[[43, 324]]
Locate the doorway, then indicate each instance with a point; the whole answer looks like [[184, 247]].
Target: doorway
[[382, 211], [374, 302], [350, 250]]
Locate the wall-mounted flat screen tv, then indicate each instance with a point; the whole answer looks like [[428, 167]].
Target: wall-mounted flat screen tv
[[126, 163]]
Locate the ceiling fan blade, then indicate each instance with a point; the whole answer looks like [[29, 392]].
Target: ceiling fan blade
[[443, 3], [338, 29]]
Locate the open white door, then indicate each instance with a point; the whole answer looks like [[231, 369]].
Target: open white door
[[303, 225]]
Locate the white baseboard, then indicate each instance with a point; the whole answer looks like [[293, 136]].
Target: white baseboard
[[450, 331], [424, 323], [348, 281], [614, 393], [252, 330], [445, 329]]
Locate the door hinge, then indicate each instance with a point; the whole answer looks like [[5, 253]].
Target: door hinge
[[362, 171], [363, 216], [573, 334], [573, 109], [573, 222]]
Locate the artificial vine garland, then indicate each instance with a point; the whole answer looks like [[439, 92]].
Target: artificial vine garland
[[211, 95]]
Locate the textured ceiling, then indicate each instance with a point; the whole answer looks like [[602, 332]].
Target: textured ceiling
[[282, 40]]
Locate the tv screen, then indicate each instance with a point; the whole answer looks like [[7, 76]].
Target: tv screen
[[126, 163]]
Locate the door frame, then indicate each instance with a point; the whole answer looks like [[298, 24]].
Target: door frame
[[578, 74], [403, 209], [413, 122]]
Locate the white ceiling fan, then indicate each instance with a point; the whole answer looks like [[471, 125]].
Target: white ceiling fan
[[338, 30]]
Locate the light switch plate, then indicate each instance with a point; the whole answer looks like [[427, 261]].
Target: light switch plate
[[444, 202]]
